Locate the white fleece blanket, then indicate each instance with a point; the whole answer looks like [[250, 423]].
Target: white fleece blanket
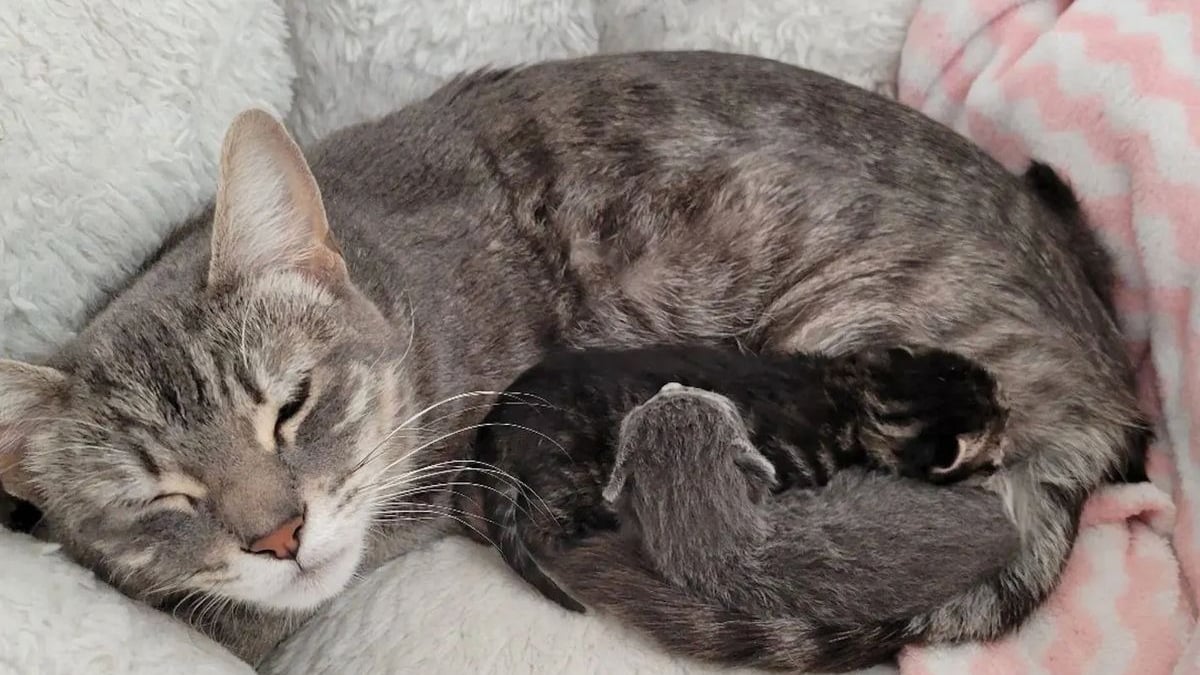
[[111, 112]]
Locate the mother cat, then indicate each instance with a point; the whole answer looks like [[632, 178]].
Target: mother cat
[[229, 427]]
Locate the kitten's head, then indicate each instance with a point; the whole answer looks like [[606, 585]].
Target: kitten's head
[[221, 440]]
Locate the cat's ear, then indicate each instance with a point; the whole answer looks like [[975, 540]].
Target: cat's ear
[[27, 393], [268, 214]]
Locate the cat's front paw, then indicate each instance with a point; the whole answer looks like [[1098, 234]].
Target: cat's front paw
[[932, 414]]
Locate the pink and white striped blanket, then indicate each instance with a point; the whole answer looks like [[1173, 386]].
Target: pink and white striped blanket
[[1107, 91]]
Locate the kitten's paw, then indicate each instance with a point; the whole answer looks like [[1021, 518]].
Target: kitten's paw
[[933, 414]]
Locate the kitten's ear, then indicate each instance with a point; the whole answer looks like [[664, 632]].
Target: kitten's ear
[[269, 214], [626, 447], [27, 393]]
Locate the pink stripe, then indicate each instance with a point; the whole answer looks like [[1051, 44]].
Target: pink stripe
[[1015, 31], [1187, 549], [1086, 116], [1176, 7], [1142, 54], [1000, 658], [1006, 146], [1130, 300], [1007, 29], [928, 29], [1157, 643], [1077, 635]]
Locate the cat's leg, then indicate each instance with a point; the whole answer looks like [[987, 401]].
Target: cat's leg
[[689, 480], [1072, 424], [929, 413]]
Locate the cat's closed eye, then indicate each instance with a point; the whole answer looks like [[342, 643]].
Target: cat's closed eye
[[178, 492], [174, 500], [292, 407]]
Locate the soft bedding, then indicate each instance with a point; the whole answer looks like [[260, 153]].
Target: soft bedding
[[1107, 91]]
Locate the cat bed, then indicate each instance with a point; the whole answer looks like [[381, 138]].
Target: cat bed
[[100, 159]]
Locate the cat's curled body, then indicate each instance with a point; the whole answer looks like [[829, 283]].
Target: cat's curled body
[[252, 375], [688, 474]]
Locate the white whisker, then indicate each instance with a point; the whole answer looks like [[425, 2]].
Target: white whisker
[[457, 465], [474, 427], [372, 453], [431, 510], [437, 487]]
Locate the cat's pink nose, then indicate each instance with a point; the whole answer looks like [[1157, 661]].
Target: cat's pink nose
[[283, 542]]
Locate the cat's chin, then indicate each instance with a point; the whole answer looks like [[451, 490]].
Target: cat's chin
[[285, 586], [330, 552], [318, 582]]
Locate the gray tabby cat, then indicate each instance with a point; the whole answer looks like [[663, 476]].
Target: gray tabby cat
[[229, 430]]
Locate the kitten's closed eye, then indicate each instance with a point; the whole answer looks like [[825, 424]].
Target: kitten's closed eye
[[292, 407]]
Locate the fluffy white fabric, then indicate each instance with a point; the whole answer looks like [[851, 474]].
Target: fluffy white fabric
[[112, 114], [57, 617], [357, 59]]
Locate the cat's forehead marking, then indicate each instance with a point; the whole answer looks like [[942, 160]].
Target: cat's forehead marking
[[263, 420]]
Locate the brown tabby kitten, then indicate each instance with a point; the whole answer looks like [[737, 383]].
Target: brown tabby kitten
[[227, 429]]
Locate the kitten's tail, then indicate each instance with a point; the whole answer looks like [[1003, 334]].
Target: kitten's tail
[[511, 508]]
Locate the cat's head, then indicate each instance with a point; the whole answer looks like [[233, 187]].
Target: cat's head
[[221, 439]]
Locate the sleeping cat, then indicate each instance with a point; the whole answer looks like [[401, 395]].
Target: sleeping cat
[[714, 474], [298, 368]]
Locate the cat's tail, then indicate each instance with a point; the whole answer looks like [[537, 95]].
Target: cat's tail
[[1046, 513], [853, 574], [613, 578]]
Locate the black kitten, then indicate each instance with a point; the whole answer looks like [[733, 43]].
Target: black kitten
[[699, 455]]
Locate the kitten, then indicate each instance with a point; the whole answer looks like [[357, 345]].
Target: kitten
[[759, 562], [290, 372], [706, 463]]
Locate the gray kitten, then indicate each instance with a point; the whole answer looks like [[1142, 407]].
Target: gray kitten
[[748, 559], [287, 376]]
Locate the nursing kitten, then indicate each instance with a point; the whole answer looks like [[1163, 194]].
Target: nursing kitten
[[719, 470], [758, 560], [230, 425]]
